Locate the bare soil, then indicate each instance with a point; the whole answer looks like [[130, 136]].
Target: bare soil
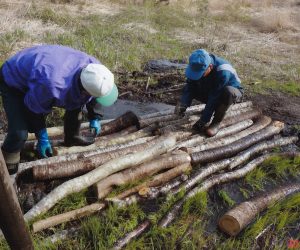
[[165, 88]]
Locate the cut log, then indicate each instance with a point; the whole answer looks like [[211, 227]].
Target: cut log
[[77, 184], [142, 227], [67, 217], [207, 184], [153, 193], [201, 174], [85, 163], [148, 131], [235, 220], [237, 146], [124, 121], [149, 121], [157, 180], [222, 133], [62, 235], [105, 186], [245, 155], [212, 142]]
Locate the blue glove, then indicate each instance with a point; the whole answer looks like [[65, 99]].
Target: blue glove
[[43, 146], [95, 126]]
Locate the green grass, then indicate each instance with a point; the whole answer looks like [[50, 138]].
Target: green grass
[[226, 198]]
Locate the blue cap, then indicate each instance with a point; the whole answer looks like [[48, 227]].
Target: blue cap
[[198, 64]]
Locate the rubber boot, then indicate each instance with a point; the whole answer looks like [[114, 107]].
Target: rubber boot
[[214, 127], [72, 121], [12, 161]]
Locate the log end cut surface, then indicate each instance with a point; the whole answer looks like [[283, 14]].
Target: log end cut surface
[[229, 225]]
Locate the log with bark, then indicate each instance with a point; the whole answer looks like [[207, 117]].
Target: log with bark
[[212, 142], [143, 189], [124, 121], [84, 163], [77, 184], [67, 217], [255, 149], [214, 180], [141, 228], [196, 139], [105, 186], [235, 220], [237, 146]]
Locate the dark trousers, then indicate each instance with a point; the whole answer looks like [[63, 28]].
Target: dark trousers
[[228, 96], [13, 103]]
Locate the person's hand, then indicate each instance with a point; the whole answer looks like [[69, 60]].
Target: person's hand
[[43, 146], [95, 126], [180, 109], [200, 126]]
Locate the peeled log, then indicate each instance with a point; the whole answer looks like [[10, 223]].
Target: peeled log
[[84, 164], [148, 131], [146, 169], [245, 155], [156, 181], [66, 217], [77, 184], [222, 133], [235, 220], [237, 146], [209, 143]]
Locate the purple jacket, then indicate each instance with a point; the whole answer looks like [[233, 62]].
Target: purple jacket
[[48, 75]]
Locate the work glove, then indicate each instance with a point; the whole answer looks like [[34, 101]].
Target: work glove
[[200, 126], [180, 109], [43, 146], [95, 126]]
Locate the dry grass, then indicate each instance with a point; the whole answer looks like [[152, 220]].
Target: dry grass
[[274, 20]]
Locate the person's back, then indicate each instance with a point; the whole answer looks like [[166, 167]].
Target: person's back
[[38, 78]]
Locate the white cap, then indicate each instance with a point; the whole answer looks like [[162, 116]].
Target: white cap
[[97, 80]]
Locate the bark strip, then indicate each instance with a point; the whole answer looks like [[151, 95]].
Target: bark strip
[[237, 146], [105, 186], [66, 217], [77, 184], [236, 219]]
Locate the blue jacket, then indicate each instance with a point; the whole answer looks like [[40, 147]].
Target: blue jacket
[[48, 75], [210, 87]]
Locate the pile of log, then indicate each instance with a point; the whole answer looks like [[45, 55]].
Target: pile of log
[[162, 153]]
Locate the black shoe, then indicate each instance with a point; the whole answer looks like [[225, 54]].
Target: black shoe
[[79, 140]]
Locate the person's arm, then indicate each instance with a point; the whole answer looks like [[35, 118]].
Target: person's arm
[[94, 117], [38, 102], [186, 98], [188, 93], [213, 98]]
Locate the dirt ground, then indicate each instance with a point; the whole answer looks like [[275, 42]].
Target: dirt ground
[[278, 105]]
